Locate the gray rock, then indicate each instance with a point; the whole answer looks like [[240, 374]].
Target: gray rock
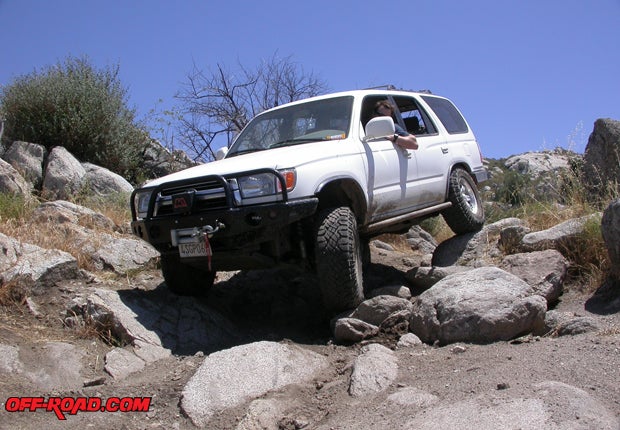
[[34, 268], [548, 405], [374, 311], [574, 408], [610, 229], [9, 359], [122, 254], [11, 182], [230, 377], [420, 240], [58, 368], [537, 163], [601, 160], [353, 330], [543, 270], [483, 305], [474, 249], [576, 325], [263, 414], [160, 161], [391, 290], [27, 158], [408, 340], [104, 308], [61, 211], [102, 181], [373, 371], [411, 397], [382, 245], [558, 236], [120, 363], [510, 237], [425, 277], [64, 174]]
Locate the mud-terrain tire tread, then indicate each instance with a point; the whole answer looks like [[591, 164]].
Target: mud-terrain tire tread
[[339, 259]]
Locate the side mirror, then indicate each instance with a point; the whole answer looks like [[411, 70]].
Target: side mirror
[[221, 153], [379, 128]]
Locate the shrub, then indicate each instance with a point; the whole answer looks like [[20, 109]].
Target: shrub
[[76, 106]]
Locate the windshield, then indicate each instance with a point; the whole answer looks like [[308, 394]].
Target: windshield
[[320, 120]]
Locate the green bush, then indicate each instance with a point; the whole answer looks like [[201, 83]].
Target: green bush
[[76, 106]]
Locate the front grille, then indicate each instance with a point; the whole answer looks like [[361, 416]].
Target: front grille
[[209, 195]]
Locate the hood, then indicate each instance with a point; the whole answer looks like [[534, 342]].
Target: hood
[[278, 158]]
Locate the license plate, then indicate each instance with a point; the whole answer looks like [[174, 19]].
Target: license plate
[[197, 249]]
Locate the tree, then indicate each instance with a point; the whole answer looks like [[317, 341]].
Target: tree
[[217, 105], [74, 105]]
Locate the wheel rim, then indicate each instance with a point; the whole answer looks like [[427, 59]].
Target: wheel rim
[[469, 195]]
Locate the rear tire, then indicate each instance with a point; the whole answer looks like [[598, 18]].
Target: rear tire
[[185, 280], [338, 254], [466, 215]]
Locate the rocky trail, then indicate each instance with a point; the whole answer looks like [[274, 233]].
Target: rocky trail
[[258, 354]]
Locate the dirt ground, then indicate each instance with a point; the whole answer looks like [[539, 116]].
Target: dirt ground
[[267, 307]]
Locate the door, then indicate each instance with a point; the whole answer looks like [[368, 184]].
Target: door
[[392, 171], [428, 185]]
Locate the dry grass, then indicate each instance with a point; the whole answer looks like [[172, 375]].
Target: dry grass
[[77, 240]]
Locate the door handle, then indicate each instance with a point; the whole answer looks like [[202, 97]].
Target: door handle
[[444, 150]]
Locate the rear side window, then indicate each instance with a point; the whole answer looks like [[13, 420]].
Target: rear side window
[[449, 116]]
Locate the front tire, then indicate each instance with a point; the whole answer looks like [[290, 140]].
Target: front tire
[[466, 215], [338, 254], [185, 280]]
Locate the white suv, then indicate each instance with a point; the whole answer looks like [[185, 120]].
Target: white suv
[[309, 183]]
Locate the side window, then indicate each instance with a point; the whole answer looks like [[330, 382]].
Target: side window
[[415, 119], [448, 114]]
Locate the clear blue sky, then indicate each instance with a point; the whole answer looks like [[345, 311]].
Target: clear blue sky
[[528, 74]]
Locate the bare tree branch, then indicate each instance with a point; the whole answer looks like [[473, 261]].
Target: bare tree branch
[[217, 105]]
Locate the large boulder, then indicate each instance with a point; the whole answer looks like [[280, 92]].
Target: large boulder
[[102, 181], [373, 371], [557, 237], [231, 377], [601, 163], [64, 174], [11, 182], [473, 249], [27, 158], [61, 211], [538, 163], [610, 229], [31, 267], [543, 270], [481, 306]]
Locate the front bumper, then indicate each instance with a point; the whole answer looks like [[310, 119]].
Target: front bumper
[[211, 202], [243, 226]]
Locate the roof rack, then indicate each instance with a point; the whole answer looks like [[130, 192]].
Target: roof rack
[[393, 87], [382, 87]]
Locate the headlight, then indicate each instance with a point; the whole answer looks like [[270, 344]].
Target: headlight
[[262, 184], [141, 203], [265, 184]]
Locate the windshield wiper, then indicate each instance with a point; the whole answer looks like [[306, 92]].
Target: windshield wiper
[[292, 142], [244, 151]]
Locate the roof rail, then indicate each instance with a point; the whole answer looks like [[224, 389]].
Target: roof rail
[[382, 87], [392, 87]]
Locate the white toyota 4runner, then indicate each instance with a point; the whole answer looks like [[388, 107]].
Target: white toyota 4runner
[[309, 183]]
